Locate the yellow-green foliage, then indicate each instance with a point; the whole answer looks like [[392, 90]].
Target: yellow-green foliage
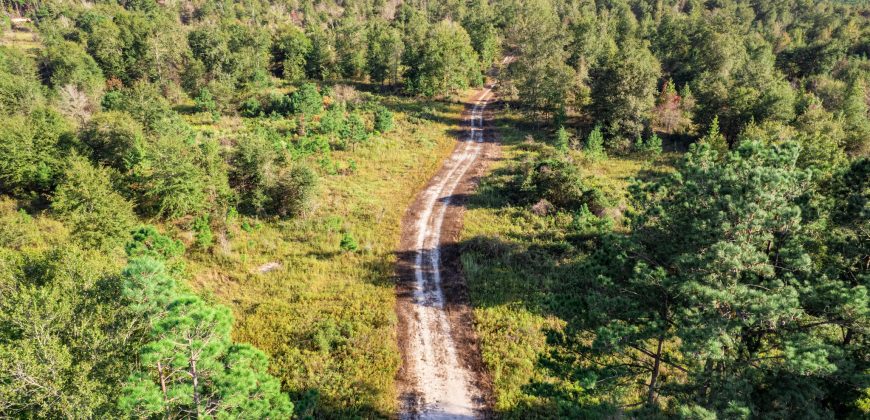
[[326, 317]]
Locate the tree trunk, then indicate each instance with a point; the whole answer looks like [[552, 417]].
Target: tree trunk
[[654, 376], [162, 380], [195, 377]]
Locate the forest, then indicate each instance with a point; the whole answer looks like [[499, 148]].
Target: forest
[[201, 200]]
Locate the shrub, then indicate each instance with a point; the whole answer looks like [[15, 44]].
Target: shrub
[[252, 163], [292, 191], [277, 104], [348, 242], [176, 184], [650, 148], [333, 121], [251, 108], [594, 149], [114, 139], [202, 233], [32, 150], [307, 100], [560, 182], [97, 216], [561, 142], [67, 63], [354, 131], [383, 119], [146, 241], [20, 89], [205, 102]]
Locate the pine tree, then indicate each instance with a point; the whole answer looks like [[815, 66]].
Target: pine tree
[[190, 367], [718, 277], [594, 148], [857, 122], [383, 119], [385, 48], [561, 141], [715, 140], [354, 131], [448, 62], [98, 216], [623, 90]]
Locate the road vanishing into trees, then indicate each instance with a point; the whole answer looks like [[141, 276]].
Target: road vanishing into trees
[[442, 376]]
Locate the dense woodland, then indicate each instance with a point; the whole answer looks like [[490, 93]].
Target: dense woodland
[[145, 144]]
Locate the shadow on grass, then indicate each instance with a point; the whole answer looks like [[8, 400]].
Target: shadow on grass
[[312, 404]]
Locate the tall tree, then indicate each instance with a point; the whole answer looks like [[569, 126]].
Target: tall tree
[[290, 46], [540, 74], [385, 48], [623, 90], [190, 367], [718, 269], [97, 215], [448, 61]]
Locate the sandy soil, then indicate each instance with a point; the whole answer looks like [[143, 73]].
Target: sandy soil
[[443, 376]]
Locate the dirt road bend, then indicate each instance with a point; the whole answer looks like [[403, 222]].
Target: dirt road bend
[[442, 376]]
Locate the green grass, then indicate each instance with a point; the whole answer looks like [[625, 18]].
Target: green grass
[[327, 316], [22, 40], [519, 267]]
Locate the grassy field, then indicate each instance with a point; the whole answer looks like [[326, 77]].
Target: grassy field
[[23, 39], [326, 316], [519, 266]]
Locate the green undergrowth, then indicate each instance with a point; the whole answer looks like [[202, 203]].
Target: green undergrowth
[[520, 259], [321, 308]]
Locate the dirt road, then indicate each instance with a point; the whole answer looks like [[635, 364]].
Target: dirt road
[[442, 376]]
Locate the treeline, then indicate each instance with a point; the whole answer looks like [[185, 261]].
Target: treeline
[[763, 71]]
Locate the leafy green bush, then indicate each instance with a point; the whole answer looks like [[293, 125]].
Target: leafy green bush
[[114, 139], [176, 183], [97, 216], [251, 166], [251, 108], [292, 191], [594, 148], [306, 100], [205, 102], [348, 242], [32, 151], [354, 131], [145, 103], [202, 233], [62, 329], [67, 63], [383, 119], [560, 182]]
